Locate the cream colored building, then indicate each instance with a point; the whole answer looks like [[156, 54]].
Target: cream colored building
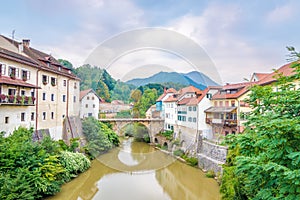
[[35, 90]]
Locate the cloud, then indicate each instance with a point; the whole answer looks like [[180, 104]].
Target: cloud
[[281, 14], [215, 30], [96, 20]]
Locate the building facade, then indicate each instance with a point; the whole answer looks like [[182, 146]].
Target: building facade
[[89, 104], [36, 90]]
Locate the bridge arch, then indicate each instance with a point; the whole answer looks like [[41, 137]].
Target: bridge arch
[[154, 126]]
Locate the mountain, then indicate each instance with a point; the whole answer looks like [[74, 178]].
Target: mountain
[[194, 78]]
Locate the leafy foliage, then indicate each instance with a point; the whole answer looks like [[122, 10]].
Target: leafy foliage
[[263, 163], [29, 170], [99, 136], [168, 134], [143, 101], [138, 131]]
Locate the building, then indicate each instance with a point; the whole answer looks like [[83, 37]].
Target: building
[[227, 115], [35, 90], [89, 104]]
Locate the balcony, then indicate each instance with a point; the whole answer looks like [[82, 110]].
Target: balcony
[[224, 122], [16, 100]]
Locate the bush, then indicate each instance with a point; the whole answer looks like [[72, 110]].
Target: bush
[[178, 152], [192, 161], [99, 136], [74, 163], [210, 174]]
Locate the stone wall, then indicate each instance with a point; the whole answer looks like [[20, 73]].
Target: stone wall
[[211, 156]]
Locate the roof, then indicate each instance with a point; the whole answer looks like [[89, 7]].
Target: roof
[[184, 101], [260, 76], [168, 91], [171, 98], [34, 58], [83, 93], [19, 82], [241, 87], [220, 109], [285, 70]]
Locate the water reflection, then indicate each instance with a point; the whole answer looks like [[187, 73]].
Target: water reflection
[[142, 178]]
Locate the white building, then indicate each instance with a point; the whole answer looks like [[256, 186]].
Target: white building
[[35, 90], [89, 104]]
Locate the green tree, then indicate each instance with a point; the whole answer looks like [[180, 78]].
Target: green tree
[[264, 161], [66, 64], [108, 80], [103, 91]]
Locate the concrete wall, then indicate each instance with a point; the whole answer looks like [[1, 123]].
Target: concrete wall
[[211, 156]]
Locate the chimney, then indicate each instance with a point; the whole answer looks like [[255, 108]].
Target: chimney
[[20, 45], [26, 43]]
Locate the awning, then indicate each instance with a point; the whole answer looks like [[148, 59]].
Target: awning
[[220, 109]]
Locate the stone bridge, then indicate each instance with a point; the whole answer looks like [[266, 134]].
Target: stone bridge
[[153, 125]]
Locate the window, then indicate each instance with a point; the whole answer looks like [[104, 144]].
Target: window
[[94, 106], [13, 72], [90, 114], [32, 116], [63, 116], [53, 81], [221, 103], [2, 69], [45, 79], [194, 119], [190, 108], [52, 97], [194, 108], [216, 104], [22, 92], [75, 85], [44, 96], [93, 97], [190, 119], [52, 115], [74, 99], [88, 98], [11, 91], [226, 103], [86, 105], [22, 117], [65, 82], [64, 98], [25, 75], [6, 120], [232, 103], [44, 116]]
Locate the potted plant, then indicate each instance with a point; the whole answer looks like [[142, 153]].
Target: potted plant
[[19, 99], [12, 75], [2, 97], [26, 99], [11, 98]]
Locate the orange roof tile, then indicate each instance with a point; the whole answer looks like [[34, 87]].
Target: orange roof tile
[[19, 82]]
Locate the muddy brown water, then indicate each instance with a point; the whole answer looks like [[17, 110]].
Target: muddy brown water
[[137, 171]]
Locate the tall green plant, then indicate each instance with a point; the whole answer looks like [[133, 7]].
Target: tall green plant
[[264, 162]]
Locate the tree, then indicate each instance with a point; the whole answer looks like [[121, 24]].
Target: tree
[[264, 161], [108, 80], [102, 91], [67, 64]]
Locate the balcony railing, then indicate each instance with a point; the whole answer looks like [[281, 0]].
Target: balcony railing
[[224, 122], [16, 100]]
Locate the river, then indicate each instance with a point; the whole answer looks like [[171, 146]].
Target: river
[[137, 171]]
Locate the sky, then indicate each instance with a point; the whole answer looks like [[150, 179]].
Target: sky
[[238, 37]]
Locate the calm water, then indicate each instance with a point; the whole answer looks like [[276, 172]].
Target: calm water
[[137, 171]]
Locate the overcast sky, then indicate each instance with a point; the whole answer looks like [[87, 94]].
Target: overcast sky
[[240, 37]]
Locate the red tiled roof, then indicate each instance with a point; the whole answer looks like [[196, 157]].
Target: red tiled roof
[[285, 70], [260, 76], [171, 99], [4, 53], [171, 90], [168, 91], [184, 101], [241, 87], [18, 82]]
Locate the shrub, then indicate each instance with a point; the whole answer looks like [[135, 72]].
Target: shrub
[[178, 152]]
